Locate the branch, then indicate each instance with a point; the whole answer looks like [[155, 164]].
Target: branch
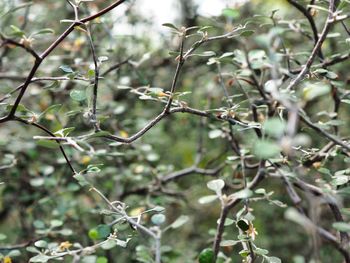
[[40, 58], [331, 137], [308, 16], [317, 47]]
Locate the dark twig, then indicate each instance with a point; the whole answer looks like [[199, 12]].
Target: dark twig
[[309, 17]]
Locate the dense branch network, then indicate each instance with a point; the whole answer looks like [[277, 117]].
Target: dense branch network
[[271, 99]]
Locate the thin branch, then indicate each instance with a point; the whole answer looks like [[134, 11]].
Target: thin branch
[[40, 58], [51, 134], [309, 17], [317, 47], [331, 137]]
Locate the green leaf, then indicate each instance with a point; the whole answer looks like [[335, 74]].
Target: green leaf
[[266, 149], [247, 33], [53, 85], [16, 31], [41, 244], [44, 31], [228, 221], [207, 199], [40, 259], [2, 236], [341, 226], [56, 223], [78, 95], [158, 219], [243, 224], [12, 10], [206, 256], [273, 260], [243, 194], [66, 69], [81, 179], [102, 260], [169, 25], [340, 180], [181, 220], [64, 132], [99, 134], [314, 90], [216, 185], [52, 109], [230, 13], [51, 144], [215, 133], [14, 253], [260, 251], [274, 127], [109, 244], [228, 243]]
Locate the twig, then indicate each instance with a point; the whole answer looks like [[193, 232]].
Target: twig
[[316, 48]]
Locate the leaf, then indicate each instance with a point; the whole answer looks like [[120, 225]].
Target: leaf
[[51, 144], [41, 244], [78, 95], [56, 223], [66, 69], [341, 226], [12, 10], [314, 90], [81, 179], [102, 260], [216, 185], [181, 220], [16, 31], [228, 243], [52, 109], [247, 33], [64, 132], [215, 133], [230, 13], [243, 224], [243, 194], [169, 25], [340, 180], [274, 127], [273, 260], [37, 182], [40, 259], [14, 253], [44, 31], [99, 134], [109, 244], [158, 219], [207, 199], [266, 149], [206, 256], [228, 221], [260, 251], [53, 85]]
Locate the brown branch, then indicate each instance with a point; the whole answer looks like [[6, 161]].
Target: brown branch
[[40, 58], [317, 47], [260, 175], [309, 17], [331, 137], [51, 134]]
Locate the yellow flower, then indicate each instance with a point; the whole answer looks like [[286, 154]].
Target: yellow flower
[[65, 245], [7, 259], [252, 231]]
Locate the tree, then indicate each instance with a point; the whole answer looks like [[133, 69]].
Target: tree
[[224, 140]]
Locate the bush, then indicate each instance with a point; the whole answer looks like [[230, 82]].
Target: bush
[[223, 139]]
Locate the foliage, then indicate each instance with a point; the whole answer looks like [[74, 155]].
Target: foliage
[[225, 139]]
